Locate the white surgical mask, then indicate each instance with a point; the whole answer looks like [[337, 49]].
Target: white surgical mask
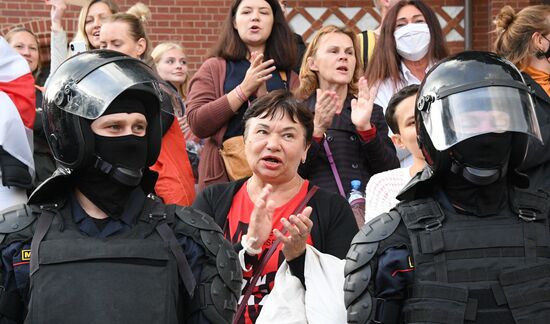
[[412, 41]]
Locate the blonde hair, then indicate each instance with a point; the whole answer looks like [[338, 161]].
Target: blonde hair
[[135, 18], [157, 54], [515, 31], [81, 31], [11, 33], [309, 81]]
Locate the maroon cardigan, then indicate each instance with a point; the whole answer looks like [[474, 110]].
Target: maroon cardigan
[[208, 113]]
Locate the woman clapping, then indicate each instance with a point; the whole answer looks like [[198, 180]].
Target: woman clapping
[[347, 125], [254, 212]]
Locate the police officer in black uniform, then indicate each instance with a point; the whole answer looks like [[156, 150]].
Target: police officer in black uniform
[[467, 243], [91, 246]]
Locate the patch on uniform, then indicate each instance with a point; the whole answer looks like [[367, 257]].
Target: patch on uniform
[[409, 268], [25, 255]]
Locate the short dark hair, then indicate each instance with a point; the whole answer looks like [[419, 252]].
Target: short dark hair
[[281, 103], [395, 100], [279, 46]]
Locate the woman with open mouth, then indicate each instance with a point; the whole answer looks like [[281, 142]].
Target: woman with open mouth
[[90, 19], [254, 55], [350, 135], [254, 212]]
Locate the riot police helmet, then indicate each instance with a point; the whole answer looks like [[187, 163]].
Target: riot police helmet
[[474, 96], [82, 90]]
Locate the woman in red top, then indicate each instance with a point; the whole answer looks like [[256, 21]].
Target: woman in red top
[[253, 212]]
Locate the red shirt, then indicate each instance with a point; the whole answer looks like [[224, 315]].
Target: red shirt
[[237, 225]]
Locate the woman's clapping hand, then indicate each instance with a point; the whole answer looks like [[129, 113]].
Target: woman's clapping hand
[[361, 108], [261, 218], [298, 228]]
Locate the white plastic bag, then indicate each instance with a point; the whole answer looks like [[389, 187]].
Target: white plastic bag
[[322, 302]]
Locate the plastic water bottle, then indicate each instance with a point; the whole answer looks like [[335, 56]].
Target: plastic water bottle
[[356, 200]]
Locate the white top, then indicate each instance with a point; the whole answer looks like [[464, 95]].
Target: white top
[[58, 49], [11, 196], [382, 189], [387, 89], [383, 96]]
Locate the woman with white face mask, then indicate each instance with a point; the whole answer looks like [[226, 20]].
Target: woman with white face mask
[[411, 41]]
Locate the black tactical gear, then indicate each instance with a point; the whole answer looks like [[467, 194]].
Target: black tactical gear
[[134, 277], [476, 248], [466, 269]]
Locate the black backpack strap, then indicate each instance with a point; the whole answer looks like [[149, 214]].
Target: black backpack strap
[[159, 212], [365, 45], [42, 227]]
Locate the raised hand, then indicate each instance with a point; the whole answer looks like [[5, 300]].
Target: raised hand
[[258, 73], [56, 13], [361, 108], [298, 228], [325, 108], [261, 218]]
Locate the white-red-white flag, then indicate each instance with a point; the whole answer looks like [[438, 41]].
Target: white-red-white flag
[[17, 105]]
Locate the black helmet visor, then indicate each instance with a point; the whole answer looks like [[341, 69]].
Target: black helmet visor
[[91, 96]]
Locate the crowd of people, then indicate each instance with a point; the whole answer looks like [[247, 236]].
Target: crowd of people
[[135, 191]]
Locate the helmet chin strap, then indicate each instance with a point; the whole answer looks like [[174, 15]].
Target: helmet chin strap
[[479, 176], [125, 176]]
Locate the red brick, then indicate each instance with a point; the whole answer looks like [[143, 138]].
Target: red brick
[[196, 23]]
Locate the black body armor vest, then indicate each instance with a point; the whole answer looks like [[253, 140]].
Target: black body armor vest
[[470, 269], [131, 277]]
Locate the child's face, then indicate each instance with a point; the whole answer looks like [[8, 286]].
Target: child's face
[[406, 139]]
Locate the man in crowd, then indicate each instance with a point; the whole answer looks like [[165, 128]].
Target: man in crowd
[[383, 188]]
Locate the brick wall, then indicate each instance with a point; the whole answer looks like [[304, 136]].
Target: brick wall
[[196, 23]]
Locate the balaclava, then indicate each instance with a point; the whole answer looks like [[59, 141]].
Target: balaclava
[[118, 165], [477, 179]]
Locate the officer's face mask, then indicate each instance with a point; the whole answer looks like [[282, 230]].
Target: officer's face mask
[[118, 168], [483, 159], [123, 152], [476, 182], [412, 41]]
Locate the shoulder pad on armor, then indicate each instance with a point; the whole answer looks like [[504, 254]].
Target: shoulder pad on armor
[[197, 218], [221, 277], [14, 219], [227, 261], [224, 305], [365, 243], [358, 270], [419, 186]]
